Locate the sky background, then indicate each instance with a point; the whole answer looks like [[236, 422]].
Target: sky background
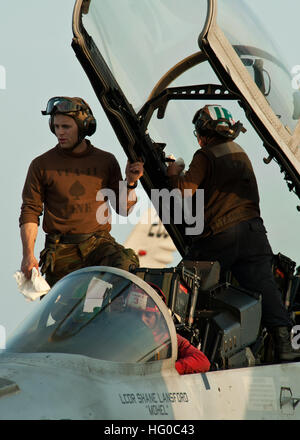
[[38, 61]]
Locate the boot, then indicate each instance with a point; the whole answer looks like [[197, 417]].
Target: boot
[[283, 345]]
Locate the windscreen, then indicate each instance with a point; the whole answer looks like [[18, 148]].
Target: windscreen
[[264, 37], [97, 314]]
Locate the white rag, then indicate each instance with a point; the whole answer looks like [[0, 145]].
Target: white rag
[[34, 288]]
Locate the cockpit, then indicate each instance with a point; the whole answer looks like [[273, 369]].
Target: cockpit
[[99, 312]]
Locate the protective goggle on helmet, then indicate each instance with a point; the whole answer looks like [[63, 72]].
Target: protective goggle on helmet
[[60, 104], [77, 109]]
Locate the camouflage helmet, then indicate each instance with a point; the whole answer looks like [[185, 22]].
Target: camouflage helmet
[[77, 109], [212, 120]]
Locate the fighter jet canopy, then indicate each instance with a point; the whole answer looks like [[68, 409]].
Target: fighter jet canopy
[[153, 64], [99, 312]]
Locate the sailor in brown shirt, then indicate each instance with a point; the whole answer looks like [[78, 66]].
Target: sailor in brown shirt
[[234, 233], [72, 184]]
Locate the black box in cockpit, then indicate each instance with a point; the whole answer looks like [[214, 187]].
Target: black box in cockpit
[[171, 283]]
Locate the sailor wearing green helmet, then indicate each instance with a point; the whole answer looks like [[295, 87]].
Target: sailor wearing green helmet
[[234, 233]]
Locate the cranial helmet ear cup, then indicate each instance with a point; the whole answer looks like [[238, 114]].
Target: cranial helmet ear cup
[[89, 125], [51, 125]]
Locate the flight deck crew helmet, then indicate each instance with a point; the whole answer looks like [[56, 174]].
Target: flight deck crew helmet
[[212, 120], [77, 109]]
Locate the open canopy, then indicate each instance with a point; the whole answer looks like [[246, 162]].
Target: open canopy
[[148, 62]]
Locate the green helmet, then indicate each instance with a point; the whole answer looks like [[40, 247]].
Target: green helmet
[[77, 109], [212, 120]]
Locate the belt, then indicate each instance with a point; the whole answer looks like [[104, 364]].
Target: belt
[[67, 238]]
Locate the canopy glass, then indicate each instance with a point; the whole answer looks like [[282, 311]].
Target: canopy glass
[[101, 313]]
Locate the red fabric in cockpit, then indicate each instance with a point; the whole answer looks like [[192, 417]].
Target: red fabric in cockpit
[[190, 359]]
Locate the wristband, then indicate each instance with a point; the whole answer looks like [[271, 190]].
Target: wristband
[[132, 186]]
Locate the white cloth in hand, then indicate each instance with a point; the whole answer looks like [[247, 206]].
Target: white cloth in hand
[[34, 288]]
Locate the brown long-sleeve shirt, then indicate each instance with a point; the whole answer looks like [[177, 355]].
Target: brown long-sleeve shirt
[[194, 176], [225, 173], [66, 186]]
